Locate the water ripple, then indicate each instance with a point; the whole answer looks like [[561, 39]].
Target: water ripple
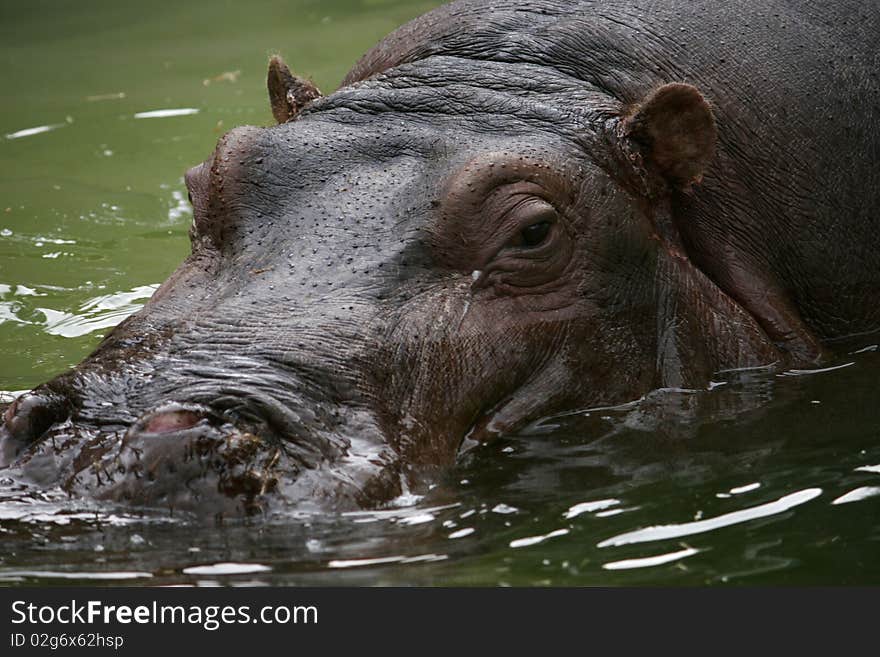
[[18, 575], [587, 507], [360, 563], [40, 129], [226, 568], [164, 113], [662, 532], [647, 562], [534, 540], [858, 494], [97, 313]]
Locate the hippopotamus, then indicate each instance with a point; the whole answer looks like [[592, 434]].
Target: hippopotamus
[[508, 210]]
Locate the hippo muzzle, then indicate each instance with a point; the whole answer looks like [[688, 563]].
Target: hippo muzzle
[[208, 445]]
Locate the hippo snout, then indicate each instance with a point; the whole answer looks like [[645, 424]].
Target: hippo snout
[[181, 456], [166, 450]]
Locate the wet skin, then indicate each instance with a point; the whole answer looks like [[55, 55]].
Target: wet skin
[[502, 214]]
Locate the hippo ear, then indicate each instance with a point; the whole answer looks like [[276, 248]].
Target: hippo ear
[[675, 132], [288, 93]]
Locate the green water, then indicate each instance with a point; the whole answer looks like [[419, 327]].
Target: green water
[[769, 478]]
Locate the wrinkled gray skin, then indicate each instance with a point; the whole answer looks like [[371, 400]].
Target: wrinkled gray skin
[[368, 292]]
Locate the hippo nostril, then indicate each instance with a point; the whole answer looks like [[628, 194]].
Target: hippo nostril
[[31, 415], [170, 419]]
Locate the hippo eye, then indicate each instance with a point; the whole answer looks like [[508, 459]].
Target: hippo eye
[[536, 218], [535, 234]]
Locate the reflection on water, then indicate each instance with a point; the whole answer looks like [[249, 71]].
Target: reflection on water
[[22, 576], [664, 532], [165, 113], [858, 494], [28, 132], [97, 313], [767, 477], [226, 569], [100, 312], [648, 562]]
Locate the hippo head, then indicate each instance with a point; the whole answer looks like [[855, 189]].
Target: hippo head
[[430, 257]]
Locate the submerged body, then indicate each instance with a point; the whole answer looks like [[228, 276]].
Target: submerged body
[[507, 210]]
